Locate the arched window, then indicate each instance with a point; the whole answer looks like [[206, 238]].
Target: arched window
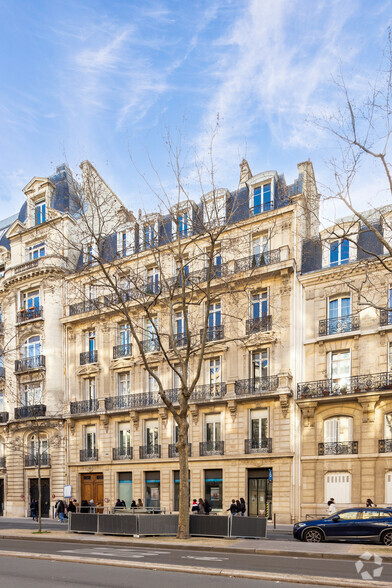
[[388, 426], [31, 347], [338, 436]]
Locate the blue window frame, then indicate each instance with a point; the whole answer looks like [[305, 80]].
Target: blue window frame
[[149, 236], [40, 212], [339, 314], [259, 305], [183, 225], [262, 199], [339, 252]]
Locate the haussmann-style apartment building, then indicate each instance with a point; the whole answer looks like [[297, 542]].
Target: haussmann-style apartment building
[[293, 404]]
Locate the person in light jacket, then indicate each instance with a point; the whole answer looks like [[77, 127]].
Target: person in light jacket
[[331, 507]]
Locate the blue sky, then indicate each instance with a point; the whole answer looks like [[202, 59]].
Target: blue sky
[[103, 80]]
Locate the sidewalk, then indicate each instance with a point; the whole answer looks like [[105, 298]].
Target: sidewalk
[[346, 551]]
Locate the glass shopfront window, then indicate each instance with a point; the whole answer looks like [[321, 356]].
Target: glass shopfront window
[[213, 488], [125, 487], [153, 489]]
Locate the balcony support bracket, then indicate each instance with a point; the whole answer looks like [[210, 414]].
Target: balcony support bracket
[[194, 410], [284, 403], [104, 418], [163, 414], [134, 416], [308, 411], [232, 406], [368, 405]]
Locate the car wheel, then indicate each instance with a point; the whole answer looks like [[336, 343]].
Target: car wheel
[[313, 536], [386, 539]]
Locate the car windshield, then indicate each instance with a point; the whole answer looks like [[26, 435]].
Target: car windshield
[[345, 515]]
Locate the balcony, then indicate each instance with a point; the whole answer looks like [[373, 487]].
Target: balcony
[[120, 453], [149, 451], [28, 412], [88, 357], [85, 306], [31, 460], [180, 340], [256, 386], [173, 452], [258, 445], [213, 333], [89, 455], [208, 392], [385, 446], [152, 287], [30, 363], [338, 325], [338, 448], [122, 350], [211, 448], [2, 462], [150, 345], [84, 406], [257, 260], [351, 385], [259, 324], [385, 317], [29, 314], [4, 416], [118, 402]]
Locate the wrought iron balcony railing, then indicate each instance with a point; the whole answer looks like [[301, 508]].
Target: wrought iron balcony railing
[[351, 385], [118, 402], [385, 446], [208, 392], [32, 459], [173, 452], [85, 306], [150, 345], [258, 445], [256, 385], [4, 416], [84, 406], [180, 339], [257, 260], [149, 451], [89, 455], [152, 286], [338, 448], [2, 462], [88, 357], [122, 350], [29, 314], [341, 324], [30, 363], [385, 317], [213, 333], [28, 412], [259, 324], [122, 453], [211, 448]]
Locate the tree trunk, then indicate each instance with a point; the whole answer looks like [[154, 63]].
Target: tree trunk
[[183, 514]]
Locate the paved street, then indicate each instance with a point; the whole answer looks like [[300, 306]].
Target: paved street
[[193, 558]]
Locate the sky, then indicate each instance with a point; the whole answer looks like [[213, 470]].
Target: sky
[[107, 80]]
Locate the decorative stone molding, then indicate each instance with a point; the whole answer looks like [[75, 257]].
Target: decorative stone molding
[[368, 405], [163, 414], [88, 370], [104, 419], [134, 416], [232, 406], [194, 411], [284, 403], [308, 411], [72, 423]]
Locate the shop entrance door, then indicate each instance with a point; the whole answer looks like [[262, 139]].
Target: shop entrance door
[[259, 493], [92, 488], [1, 497], [45, 494]]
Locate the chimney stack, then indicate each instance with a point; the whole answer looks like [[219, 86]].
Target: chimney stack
[[245, 173]]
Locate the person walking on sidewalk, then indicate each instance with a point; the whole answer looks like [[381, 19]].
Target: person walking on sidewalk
[[370, 503], [207, 506], [61, 511], [233, 508], [33, 509], [195, 506], [243, 507], [331, 510], [201, 506]]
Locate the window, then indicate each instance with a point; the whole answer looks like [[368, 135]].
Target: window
[[91, 254], [213, 431], [259, 304], [259, 248], [151, 430], [90, 291], [150, 235], [375, 514], [214, 209], [35, 251], [213, 488], [338, 429], [349, 515], [338, 486], [153, 280], [262, 199], [125, 487], [180, 337], [31, 394], [388, 487], [90, 389], [182, 270], [151, 381], [388, 426], [339, 314], [124, 384], [259, 365], [339, 252], [258, 428], [90, 439], [151, 341], [32, 347], [124, 438], [30, 300], [38, 445], [91, 341], [214, 322], [183, 224], [125, 242], [214, 375], [124, 337], [1, 402], [339, 368], [40, 212], [153, 484]]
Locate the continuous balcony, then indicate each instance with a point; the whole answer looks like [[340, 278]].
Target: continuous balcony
[[259, 324], [257, 260], [339, 325], [258, 445], [4, 417], [87, 357], [211, 448], [149, 451], [208, 392], [122, 453], [32, 460], [385, 446], [2, 462], [343, 386], [180, 340], [118, 402], [213, 333], [28, 412], [84, 406], [122, 350], [89, 455], [85, 306], [29, 314], [139, 400], [256, 386], [338, 448], [150, 345], [173, 452], [385, 317], [30, 363]]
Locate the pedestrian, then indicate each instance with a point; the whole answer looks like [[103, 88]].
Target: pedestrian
[[331, 510], [33, 509], [61, 511], [232, 508], [76, 503], [118, 503], [243, 507], [239, 507], [133, 504], [123, 504], [84, 506], [92, 506], [195, 506], [201, 506], [71, 506], [370, 503], [139, 503], [207, 507]]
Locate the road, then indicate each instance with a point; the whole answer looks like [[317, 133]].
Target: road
[[192, 558]]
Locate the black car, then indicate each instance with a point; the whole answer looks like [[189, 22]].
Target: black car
[[373, 524]]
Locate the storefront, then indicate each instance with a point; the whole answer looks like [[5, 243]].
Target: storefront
[[176, 502], [213, 488], [125, 487], [153, 489], [260, 492]]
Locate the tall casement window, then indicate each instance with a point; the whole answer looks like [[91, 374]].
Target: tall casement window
[[339, 369], [339, 315], [124, 340], [35, 251], [31, 394], [259, 304], [152, 384], [214, 375], [150, 342], [90, 389], [214, 209], [124, 439], [258, 428], [150, 235], [30, 300], [259, 365], [151, 436], [40, 212], [338, 429], [213, 432], [182, 273], [215, 327], [90, 440], [31, 350], [153, 280], [385, 444], [262, 199], [183, 224], [259, 247], [180, 338], [124, 384], [339, 252], [38, 446]]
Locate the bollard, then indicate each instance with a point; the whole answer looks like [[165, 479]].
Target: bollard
[[274, 520]]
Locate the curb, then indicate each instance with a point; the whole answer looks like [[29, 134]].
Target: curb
[[184, 547], [266, 576]]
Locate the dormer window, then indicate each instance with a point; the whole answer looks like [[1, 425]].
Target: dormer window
[[150, 235], [90, 254], [262, 199], [339, 252], [183, 225], [214, 208], [40, 212], [35, 251], [125, 242]]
